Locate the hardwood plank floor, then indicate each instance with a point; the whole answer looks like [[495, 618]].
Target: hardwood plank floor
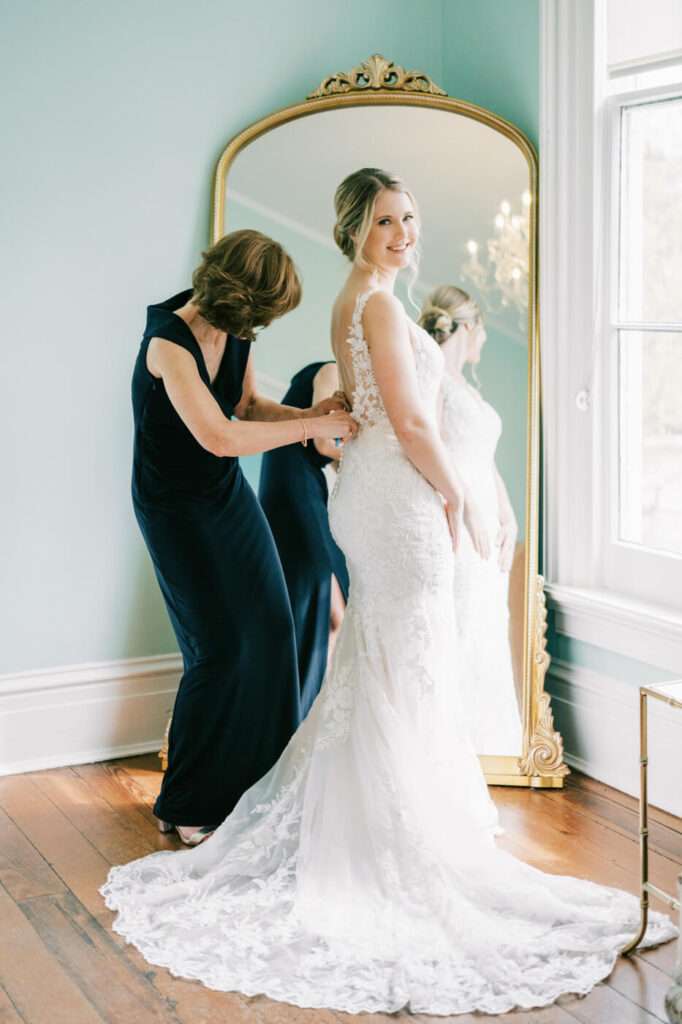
[[61, 962]]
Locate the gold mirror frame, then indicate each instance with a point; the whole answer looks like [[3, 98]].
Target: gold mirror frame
[[378, 82]]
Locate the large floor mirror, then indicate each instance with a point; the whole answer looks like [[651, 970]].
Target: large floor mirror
[[474, 176]]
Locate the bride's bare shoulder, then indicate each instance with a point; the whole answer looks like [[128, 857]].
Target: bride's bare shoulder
[[382, 309]]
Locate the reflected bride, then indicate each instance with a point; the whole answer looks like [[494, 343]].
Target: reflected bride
[[471, 430], [361, 872], [261, 177]]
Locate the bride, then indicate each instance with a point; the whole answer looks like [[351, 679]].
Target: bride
[[361, 872]]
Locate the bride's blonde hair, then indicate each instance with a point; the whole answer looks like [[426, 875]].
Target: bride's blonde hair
[[454, 302], [450, 301], [354, 202]]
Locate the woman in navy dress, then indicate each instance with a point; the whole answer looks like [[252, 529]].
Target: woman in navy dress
[[214, 556], [294, 492]]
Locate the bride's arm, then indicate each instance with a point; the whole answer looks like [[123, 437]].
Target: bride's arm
[[506, 536], [388, 339]]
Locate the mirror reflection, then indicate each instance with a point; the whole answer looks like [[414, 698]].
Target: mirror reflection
[[472, 187]]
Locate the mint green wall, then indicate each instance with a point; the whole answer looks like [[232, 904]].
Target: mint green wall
[[491, 57], [112, 116]]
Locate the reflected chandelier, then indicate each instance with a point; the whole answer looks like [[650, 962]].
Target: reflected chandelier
[[506, 268]]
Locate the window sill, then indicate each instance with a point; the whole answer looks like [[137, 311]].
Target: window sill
[[641, 630]]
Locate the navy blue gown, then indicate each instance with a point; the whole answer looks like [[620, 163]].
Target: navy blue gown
[[218, 568], [293, 492]]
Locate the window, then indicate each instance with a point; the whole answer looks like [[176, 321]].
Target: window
[[611, 322], [642, 491]]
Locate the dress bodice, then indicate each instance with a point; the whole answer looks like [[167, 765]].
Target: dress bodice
[[471, 428], [368, 406], [376, 475], [170, 467]]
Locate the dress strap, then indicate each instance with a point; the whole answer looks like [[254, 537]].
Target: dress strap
[[360, 303], [368, 407]]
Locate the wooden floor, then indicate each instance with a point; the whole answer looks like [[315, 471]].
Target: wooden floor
[[60, 963]]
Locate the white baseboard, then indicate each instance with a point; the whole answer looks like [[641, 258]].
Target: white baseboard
[[598, 718], [84, 713], [635, 629]]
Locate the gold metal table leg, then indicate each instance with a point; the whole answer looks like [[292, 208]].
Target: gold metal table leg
[[643, 826]]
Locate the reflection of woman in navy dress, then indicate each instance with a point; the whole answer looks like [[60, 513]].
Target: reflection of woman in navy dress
[[238, 701], [293, 493]]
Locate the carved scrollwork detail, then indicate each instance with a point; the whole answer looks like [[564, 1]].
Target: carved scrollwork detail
[[545, 754], [377, 73]]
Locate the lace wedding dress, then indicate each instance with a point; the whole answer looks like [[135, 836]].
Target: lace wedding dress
[[471, 429], [361, 872]]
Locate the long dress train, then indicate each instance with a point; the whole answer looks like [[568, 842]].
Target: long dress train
[[361, 872]]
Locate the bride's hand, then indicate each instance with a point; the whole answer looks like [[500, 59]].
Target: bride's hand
[[475, 524], [506, 539], [453, 512]]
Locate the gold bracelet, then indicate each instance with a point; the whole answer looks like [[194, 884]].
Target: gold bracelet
[[304, 442]]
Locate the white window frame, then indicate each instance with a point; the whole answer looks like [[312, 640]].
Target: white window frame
[[575, 165], [626, 568]]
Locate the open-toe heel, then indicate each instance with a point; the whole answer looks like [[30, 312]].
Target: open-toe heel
[[199, 835]]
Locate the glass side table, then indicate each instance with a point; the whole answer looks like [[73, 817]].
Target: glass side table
[[670, 693]]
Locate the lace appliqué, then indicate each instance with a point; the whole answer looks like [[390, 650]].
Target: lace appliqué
[[368, 407]]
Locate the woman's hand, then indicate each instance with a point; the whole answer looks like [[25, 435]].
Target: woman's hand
[[475, 524], [506, 539], [338, 401], [342, 398], [334, 424], [453, 512]]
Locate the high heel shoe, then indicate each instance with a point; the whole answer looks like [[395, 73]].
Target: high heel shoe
[[194, 838]]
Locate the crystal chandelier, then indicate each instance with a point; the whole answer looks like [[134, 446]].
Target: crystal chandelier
[[506, 269]]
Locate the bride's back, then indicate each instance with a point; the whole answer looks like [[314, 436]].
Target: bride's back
[[343, 312]]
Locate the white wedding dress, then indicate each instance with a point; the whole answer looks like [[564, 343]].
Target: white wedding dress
[[471, 429], [361, 872]]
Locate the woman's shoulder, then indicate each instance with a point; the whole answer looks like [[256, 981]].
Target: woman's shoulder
[[379, 305], [163, 322]]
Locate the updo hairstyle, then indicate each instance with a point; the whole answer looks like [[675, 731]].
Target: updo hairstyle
[[451, 301], [246, 280], [354, 202]]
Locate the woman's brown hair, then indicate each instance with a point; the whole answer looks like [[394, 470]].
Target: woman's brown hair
[[246, 280]]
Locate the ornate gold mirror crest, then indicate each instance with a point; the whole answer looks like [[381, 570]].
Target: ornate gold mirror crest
[[376, 73], [378, 82]]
